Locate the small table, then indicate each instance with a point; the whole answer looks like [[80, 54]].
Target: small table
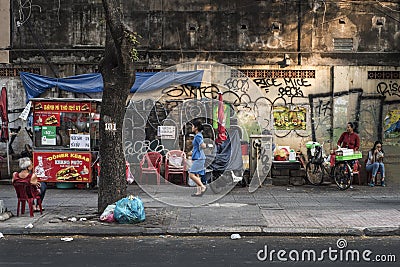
[[290, 165], [287, 172]]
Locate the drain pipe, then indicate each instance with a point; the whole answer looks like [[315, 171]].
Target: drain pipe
[[332, 71], [299, 23]]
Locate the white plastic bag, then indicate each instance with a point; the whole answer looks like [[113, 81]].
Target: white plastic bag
[[108, 214], [191, 182]]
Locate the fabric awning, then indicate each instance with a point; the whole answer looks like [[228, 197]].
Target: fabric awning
[[35, 84]]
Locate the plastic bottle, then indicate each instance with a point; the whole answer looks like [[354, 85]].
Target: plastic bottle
[[292, 155]]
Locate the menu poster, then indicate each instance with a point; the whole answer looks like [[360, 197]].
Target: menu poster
[[49, 136], [62, 107], [79, 141], [166, 132], [46, 119], [63, 166]]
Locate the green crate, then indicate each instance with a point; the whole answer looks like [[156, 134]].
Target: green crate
[[357, 155], [312, 144]]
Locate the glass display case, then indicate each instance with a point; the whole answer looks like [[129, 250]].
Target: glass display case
[[66, 135]]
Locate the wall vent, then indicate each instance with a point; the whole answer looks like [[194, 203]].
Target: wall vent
[[262, 73], [384, 75], [343, 44], [14, 72]]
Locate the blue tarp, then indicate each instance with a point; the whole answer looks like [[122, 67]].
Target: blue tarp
[[158, 80], [35, 84]]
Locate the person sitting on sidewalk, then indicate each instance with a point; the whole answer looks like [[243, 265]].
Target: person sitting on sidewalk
[[350, 139], [375, 163], [26, 176]]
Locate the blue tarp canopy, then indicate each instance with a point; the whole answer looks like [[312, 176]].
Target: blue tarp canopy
[[35, 84]]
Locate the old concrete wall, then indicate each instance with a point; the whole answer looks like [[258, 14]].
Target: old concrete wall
[[331, 48], [4, 31], [231, 32]]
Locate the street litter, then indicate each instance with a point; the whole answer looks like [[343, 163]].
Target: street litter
[[29, 226], [82, 219], [73, 219], [1, 235], [165, 236], [108, 214], [235, 236], [129, 210], [66, 239]]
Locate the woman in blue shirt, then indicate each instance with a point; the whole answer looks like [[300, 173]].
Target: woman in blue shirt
[[198, 159]]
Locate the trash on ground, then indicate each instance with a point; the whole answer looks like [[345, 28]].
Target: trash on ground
[[108, 214], [29, 226], [165, 236], [129, 210], [1, 235], [82, 219], [66, 239], [73, 219], [235, 236]]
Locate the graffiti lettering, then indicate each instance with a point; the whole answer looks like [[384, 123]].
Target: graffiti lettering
[[290, 91], [266, 83], [291, 86], [237, 84], [296, 82], [186, 91], [391, 89], [322, 108]]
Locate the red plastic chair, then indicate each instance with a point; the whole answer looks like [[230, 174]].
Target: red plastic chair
[[356, 171], [26, 193], [175, 163], [151, 163]]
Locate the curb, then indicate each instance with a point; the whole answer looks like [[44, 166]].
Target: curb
[[128, 230], [382, 231]]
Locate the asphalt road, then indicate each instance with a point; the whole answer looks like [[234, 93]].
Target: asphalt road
[[198, 251]]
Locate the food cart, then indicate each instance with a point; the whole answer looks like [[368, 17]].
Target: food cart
[[65, 139]]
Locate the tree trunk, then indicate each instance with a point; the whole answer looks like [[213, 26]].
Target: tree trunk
[[118, 75]]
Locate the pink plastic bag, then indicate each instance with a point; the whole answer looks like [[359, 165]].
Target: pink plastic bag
[[108, 214]]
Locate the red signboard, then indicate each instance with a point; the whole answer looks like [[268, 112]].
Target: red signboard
[[49, 106], [63, 166], [46, 119]]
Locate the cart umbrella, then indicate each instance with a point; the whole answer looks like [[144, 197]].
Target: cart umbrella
[[3, 115], [221, 122]]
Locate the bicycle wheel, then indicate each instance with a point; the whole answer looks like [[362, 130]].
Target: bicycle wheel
[[342, 175], [314, 173]]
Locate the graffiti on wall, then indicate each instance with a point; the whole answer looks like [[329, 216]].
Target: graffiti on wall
[[392, 124], [286, 87], [316, 113], [390, 88]]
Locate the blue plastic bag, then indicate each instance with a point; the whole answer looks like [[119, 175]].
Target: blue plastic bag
[[129, 210]]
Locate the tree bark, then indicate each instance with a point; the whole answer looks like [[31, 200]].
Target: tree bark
[[117, 69]]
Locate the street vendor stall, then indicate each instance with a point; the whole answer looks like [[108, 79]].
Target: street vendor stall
[[65, 139]]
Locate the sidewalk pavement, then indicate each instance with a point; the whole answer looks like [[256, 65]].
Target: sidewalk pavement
[[271, 210]]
